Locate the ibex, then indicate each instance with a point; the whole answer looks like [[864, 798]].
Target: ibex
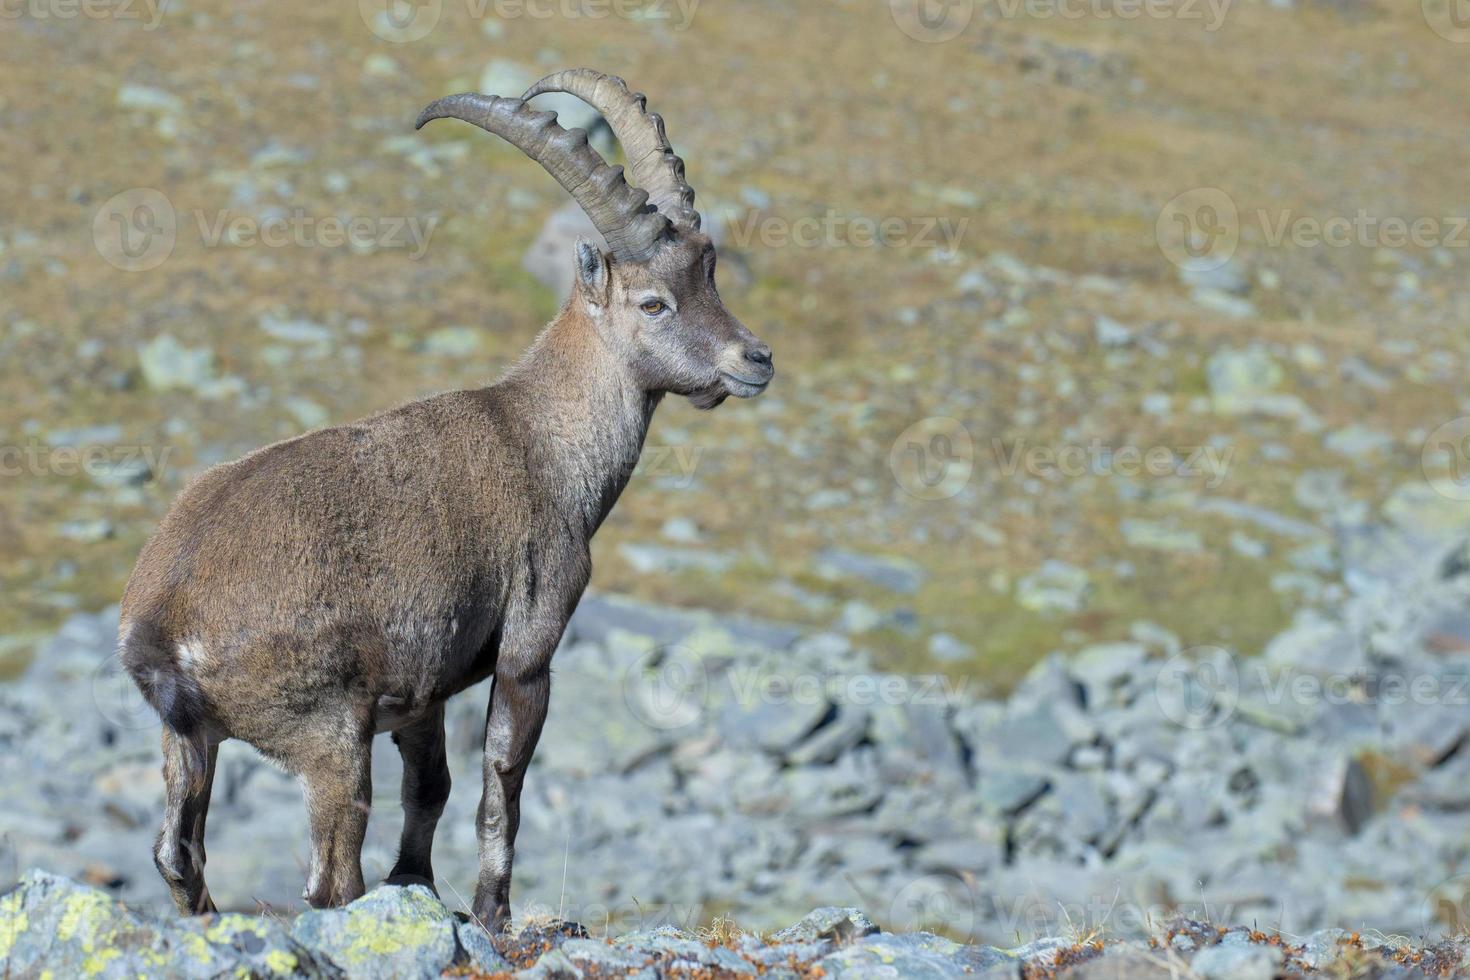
[[347, 582]]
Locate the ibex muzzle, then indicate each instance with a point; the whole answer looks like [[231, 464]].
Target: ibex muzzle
[[349, 581]]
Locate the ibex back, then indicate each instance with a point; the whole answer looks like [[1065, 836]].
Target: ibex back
[[346, 582]]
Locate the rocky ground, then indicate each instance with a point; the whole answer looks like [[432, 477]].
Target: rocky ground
[[697, 766], [53, 926]]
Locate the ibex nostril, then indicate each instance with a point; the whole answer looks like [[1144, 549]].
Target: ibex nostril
[[760, 354]]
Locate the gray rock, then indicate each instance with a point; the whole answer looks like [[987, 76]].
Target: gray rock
[[662, 559], [847, 728], [947, 649], [1008, 791], [838, 925], [1238, 378], [1110, 333], [479, 952], [404, 931], [920, 956], [52, 926], [1342, 793], [1055, 587], [775, 717], [1237, 962], [893, 574], [1160, 536], [168, 364]]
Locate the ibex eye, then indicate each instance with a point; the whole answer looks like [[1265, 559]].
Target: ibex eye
[[653, 307]]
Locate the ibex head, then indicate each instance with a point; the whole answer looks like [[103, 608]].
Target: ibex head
[[653, 299]]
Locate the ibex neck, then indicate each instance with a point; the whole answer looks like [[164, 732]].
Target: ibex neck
[[584, 418]]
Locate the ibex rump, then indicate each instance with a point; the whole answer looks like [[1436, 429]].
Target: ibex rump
[[347, 582]]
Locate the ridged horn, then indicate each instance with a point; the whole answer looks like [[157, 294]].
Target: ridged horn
[[619, 211], [651, 159]]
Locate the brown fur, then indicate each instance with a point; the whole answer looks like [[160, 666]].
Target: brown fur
[[348, 581]]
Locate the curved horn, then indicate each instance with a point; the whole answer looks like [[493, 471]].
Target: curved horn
[[620, 212], [655, 167]]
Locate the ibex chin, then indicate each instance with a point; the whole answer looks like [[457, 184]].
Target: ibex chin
[[347, 582]]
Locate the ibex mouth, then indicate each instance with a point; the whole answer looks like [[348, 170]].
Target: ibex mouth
[[743, 387]]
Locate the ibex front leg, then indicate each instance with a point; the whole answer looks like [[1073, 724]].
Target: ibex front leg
[[518, 699]]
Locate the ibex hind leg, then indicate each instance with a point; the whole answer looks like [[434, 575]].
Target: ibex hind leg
[[179, 850]]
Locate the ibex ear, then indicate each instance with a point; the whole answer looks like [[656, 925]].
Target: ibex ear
[[592, 271]]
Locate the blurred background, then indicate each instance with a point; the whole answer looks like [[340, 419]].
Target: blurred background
[[1120, 342]]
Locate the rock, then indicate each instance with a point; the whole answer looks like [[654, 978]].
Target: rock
[[1124, 963], [453, 342], [1342, 794], [315, 339], [825, 745], [920, 956], [52, 926], [479, 950], [947, 649], [307, 413], [1416, 507], [168, 365], [1158, 536], [404, 931], [771, 714], [1055, 587], [1356, 441], [893, 574], [1008, 791], [656, 558], [1237, 962], [549, 257], [133, 96], [838, 925], [88, 531], [1110, 333], [509, 79]]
